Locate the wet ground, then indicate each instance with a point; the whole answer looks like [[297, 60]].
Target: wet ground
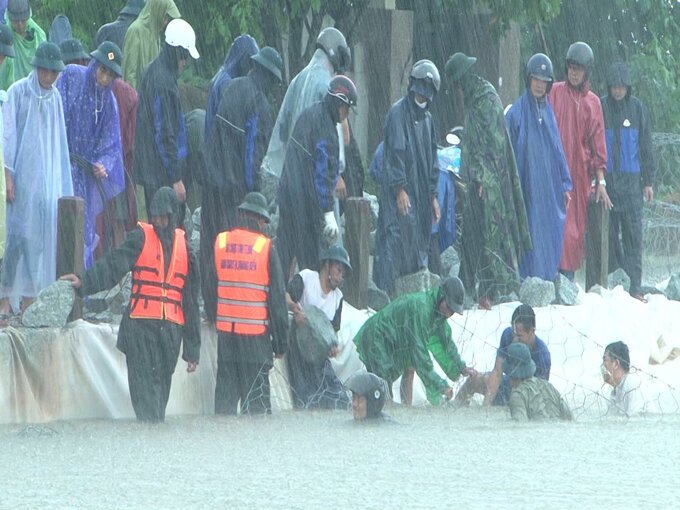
[[429, 458]]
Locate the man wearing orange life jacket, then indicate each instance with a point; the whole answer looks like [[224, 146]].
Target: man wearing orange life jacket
[[251, 312], [163, 307]]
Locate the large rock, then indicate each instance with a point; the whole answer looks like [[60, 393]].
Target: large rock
[[450, 262], [536, 292], [51, 308], [416, 282], [619, 277], [377, 298], [672, 290], [316, 336], [566, 291], [119, 296], [375, 209]]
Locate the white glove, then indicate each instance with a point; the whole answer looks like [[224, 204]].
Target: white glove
[[330, 231]]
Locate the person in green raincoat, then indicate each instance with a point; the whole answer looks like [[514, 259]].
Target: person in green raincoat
[[143, 38], [495, 226], [7, 55], [26, 36], [402, 335]]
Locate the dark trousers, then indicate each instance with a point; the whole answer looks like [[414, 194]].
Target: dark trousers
[[475, 267], [149, 385], [625, 244], [246, 382]]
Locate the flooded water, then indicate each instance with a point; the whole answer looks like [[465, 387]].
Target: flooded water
[[429, 458]]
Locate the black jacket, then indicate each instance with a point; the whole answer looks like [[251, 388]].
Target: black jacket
[[114, 31], [161, 138]]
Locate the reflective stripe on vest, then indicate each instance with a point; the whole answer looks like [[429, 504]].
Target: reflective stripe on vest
[[242, 268], [156, 295]]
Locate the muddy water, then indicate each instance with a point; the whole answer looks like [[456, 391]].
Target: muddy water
[[431, 458]]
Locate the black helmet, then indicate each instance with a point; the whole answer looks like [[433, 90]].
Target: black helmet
[[344, 89], [334, 44], [374, 388], [425, 79], [339, 254], [580, 53], [457, 65], [453, 292], [540, 67], [48, 56], [6, 41], [109, 55], [271, 60]]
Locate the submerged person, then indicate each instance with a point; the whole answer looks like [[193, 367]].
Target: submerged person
[[93, 129], [316, 384], [27, 35], [142, 43], [368, 396], [402, 335], [251, 313], [626, 395], [495, 230], [163, 311], [408, 201], [38, 174], [532, 398], [543, 170]]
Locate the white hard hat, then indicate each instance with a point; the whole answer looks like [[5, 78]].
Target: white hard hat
[[179, 33]]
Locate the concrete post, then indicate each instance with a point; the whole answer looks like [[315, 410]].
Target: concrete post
[[70, 243]]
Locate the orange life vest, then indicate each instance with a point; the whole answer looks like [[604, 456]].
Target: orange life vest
[[156, 295], [242, 266]]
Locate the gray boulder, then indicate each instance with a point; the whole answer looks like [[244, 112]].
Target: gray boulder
[[195, 237], [51, 308], [536, 292], [316, 336], [566, 291], [672, 290], [416, 282], [375, 209], [450, 261], [119, 296], [377, 298], [619, 277]]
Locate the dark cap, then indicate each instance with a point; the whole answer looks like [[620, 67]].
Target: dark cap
[[18, 10], [48, 56], [255, 202], [109, 55], [454, 293], [6, 41], [72, 49]]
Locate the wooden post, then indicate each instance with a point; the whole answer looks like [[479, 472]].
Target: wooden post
[[357, 228], [70, 243], [597, 246]]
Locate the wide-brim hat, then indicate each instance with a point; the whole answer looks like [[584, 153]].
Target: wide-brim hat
[[72, 49], [255, 202], [458, 65], [338, 254], [18, 10], [133, 7], [518, 363], [109, 55], [271, 60], [48, 56], [6, 41]]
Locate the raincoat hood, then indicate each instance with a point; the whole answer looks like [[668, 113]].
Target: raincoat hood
[[154, 11], [618, 75], [165, 202], [237, 62]]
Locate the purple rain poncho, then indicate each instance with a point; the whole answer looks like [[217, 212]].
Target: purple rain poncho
[[36, 156], [93, 129]]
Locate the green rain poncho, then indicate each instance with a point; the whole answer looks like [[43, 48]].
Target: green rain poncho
[[143, 38], [403, 334], [13, 69]]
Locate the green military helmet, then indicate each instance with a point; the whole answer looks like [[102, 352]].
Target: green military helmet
[[580, 53], [48, 56], [338, 254], [271, 60], [6, 41], [457, 65], [256, 203], [518, 363], [109, 55], [72, 49]]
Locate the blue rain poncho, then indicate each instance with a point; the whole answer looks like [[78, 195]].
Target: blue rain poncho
[[544, 176], [93, 128], [36, 155], [307, 88]]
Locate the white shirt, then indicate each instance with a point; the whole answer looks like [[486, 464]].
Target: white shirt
[[314, 295], [627, 397]]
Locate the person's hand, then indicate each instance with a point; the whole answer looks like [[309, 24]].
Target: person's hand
[[180, 191], [330, 230], [99, 171], [341, 189], [448, 393], [298, 313], [75, 281], [436, 212], [191, 366], [567, 200], [333, 351], [9, 186], [602, 196], [469, 372], [648, 193], [403, 202]]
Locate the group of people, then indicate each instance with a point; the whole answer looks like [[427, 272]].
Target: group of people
[[80, 126]]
